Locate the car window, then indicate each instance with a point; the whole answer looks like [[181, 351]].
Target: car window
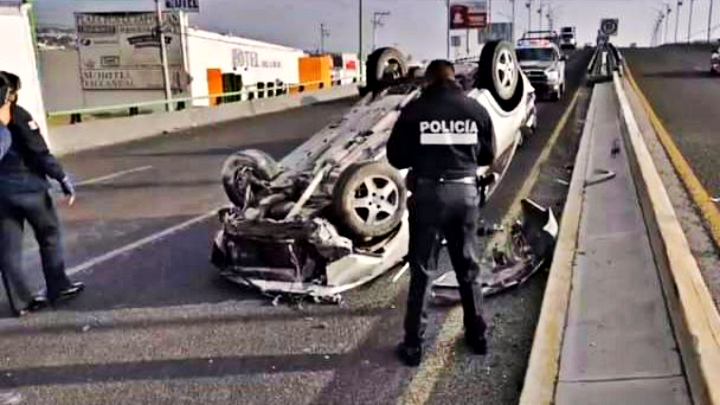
[[536, 54]]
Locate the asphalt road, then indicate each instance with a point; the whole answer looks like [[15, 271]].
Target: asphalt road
[[677, 83], [157, 325]]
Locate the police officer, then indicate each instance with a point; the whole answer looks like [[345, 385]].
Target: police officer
[[24, 196], [443, 137]]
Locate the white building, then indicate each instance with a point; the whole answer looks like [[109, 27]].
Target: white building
[[255, 61], [16, 35]]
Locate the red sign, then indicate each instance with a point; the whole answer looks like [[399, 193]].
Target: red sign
[[469, 15]]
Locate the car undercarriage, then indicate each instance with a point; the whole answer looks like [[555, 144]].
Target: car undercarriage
[[331, 215]]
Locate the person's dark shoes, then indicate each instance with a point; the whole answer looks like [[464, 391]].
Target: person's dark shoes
[[68, 293], [410, 355], [38, 303], [478, 346]]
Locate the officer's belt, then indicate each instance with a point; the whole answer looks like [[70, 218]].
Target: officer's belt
[[470, 180]]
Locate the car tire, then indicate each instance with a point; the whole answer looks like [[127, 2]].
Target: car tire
[[260, 165], [384, 67], [369, 199], [499, 73]]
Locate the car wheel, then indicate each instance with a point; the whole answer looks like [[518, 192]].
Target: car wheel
[[370, 199], [499, 73], [242, 171], [385, 66]]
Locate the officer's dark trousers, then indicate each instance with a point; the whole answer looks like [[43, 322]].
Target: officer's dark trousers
[[38, 210], [436, 211]]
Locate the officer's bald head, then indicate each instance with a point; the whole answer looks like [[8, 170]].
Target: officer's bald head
[[440, 71]]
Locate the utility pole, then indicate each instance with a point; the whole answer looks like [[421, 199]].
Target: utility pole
[[667, 21], [690, 16], [513, 21], [447, 20], [677, 19], [324, 33], [710, 14], [377, 21], [528, 4], [163, 55]]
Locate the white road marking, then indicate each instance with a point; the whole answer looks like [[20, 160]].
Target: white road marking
[[113, 176], [140, 243]]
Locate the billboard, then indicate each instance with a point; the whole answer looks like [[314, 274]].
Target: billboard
[[468, 14], [121, 51]]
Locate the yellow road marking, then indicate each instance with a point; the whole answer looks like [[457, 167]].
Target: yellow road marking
[[697, 191], [422, 385]]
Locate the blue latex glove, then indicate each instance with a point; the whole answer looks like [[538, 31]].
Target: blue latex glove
[[5, 140]]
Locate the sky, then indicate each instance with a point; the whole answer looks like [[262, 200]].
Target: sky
[[416, 26]]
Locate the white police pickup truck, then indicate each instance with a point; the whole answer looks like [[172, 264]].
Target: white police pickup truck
[[544, 65]]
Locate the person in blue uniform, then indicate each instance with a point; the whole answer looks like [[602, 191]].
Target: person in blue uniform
[[25, 197]]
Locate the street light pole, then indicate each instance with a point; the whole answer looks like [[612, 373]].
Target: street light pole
[[692, 3], [163, 56], [360, 37], [677, 19], [539, 11]]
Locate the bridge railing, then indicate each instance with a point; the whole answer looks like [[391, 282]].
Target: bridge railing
[[248, 93]]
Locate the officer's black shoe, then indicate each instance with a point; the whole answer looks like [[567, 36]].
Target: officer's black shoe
[[37, 303], [68, 293], [411, 356], [478, 346]]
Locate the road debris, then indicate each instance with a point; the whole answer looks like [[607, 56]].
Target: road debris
[[529, 246], [600, 176]]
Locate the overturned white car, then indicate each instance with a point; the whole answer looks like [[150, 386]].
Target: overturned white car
[[331, 215]]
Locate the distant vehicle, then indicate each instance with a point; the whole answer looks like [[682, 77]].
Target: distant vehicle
[[715, 63], [568, 38], [544, 65], [547, 35]]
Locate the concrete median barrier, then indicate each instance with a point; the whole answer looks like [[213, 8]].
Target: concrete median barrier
[[91, 135]]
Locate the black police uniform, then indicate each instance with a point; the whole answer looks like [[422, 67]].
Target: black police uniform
[[443, 136], [24, 196]]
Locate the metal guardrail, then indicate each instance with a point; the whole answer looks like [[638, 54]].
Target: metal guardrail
[[248, 93]]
